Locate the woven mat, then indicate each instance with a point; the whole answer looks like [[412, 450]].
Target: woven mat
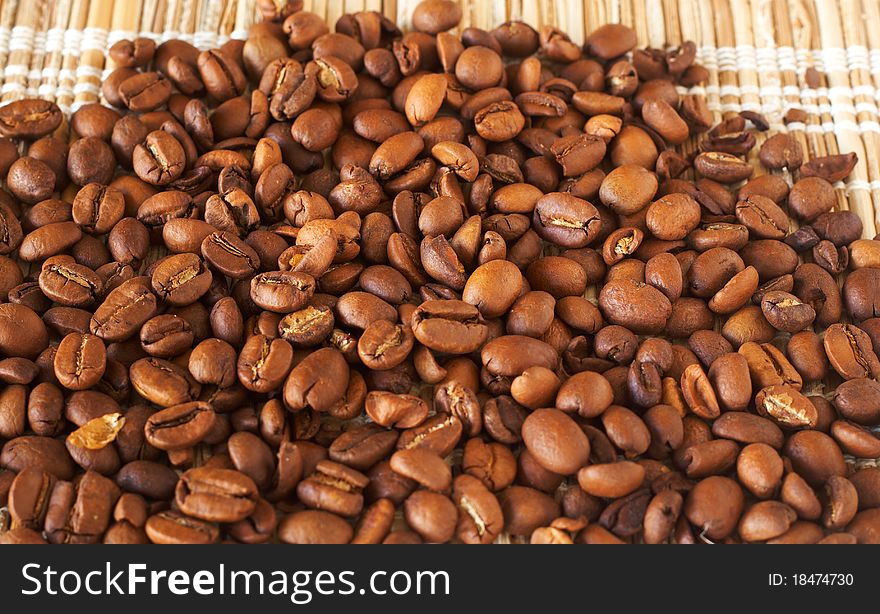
[[757, 52]]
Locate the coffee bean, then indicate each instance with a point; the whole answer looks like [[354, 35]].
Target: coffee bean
[[171, 527], [223, 78], [635, 305], [317, 382], [124, 310], [565, 220], [230, 255], [80, 361], [159, 160], [97, 208], [481, 517], [282, 291], [294, 300], [181, 279], [314, 527], [856, 400], [40, 453], [90, 160], [786, 312], [556, 441], [440, 433], [786, 406], [815, 456], [70, 284], [180, 426], [163, 382], [30, 180], [850, 351], [216, 495], [431, 515], [22, 332], [29, 118]]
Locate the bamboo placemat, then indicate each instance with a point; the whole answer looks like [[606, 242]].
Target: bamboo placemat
[[757, 53]]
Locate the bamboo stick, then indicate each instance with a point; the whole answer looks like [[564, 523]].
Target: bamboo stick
[[38, 55], [529, 13], [728, 78], [21, 47], [744, 43], [846, 132], [389, 9], [187, 20], [319, 7], [244, 18], [149, 12], [71, 53], [856, 28], [689, 29], [227, 20], [208, 21], [788, 78], [54, 50], [94, 45], [124, 23], [7, 20], [655, 23], [672, 21]]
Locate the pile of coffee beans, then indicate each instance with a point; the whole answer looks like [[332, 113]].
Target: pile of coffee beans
[[379, 287]]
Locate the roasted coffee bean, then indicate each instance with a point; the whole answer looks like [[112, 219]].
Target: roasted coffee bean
[[763, 217], [124, 310], [31, 180], [611, 480], [70, 284], [566, 220], [159, 160], [480, 517], [163, 382], [97, 208], [850, 352], [768, 366], [230, 255], [532, 278], [80, 361], [722, 167], [282, 291], [222, 76], [810, 197], [556, 441], [37, 452], [314, 527], [786, 312], [29, 118], [216, 495], [815, 456], [453, 327], [635, 305], [399, 410], [786, 406], [180, 426], [317, 382], [181, 279], [171, 527], [363, 447], [781, 151], [856, 400]]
